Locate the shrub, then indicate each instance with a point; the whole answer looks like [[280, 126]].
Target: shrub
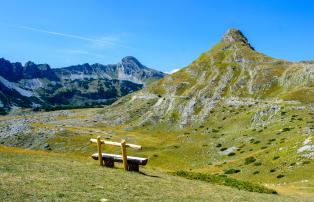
[[280, 176], [276, 157], [255, 172], [232, 171], [242, 146], [285, 129], [257, 164], [249, 160], [231, 154]]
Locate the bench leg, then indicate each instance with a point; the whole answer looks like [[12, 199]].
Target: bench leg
[[109, 163], [133, 167]]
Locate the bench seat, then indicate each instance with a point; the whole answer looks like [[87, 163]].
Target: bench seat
[[119, 158]]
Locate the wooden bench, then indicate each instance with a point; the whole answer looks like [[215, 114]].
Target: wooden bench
[[130, 163]]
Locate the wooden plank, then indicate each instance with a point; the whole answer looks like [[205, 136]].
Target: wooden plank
[[118, 158], [124, 155], [101, 163], [133, 146]]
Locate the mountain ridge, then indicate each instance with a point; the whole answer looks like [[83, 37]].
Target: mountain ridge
[[33, 84]]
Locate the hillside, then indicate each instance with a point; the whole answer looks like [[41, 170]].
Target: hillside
[[20, 182], [231, 74], [37, 85]]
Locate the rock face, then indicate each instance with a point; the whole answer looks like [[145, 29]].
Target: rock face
[[129, 69], [235, 35], [34, 85], [15, 71], [230, 73]]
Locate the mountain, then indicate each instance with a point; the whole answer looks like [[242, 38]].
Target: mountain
[[233, 111], [129, 69], [231, 73], [35, 85]]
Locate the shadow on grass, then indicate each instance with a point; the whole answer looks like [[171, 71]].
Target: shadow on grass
[[148, 175]]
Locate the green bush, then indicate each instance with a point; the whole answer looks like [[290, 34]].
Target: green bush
[[276, 157], [249, 160], [257, 164], [232, 171], [285, 129]]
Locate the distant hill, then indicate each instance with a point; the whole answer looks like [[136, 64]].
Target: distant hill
[[37, 85]]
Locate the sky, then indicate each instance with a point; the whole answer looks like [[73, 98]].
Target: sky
[[161, 34]]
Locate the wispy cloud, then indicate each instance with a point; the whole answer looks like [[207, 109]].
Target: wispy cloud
[[101, 42], [82, 52]]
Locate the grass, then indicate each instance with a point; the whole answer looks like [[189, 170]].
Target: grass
[[223, 180], [48, 176], [172, 150]]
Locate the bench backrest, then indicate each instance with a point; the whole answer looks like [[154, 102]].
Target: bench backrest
[[121, 144]]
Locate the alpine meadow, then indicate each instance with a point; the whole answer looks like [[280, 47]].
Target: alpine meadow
[[233, 125]]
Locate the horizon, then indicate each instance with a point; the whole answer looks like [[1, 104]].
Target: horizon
[[162, 35]]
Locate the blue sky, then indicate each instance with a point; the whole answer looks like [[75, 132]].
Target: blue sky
[[163, 34]]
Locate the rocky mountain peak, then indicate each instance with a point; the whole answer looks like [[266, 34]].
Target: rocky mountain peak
[[29, 64], [234, 35], [131, 61]]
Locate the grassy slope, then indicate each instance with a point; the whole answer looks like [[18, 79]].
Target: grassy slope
[[196, 149], [38, 175]]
